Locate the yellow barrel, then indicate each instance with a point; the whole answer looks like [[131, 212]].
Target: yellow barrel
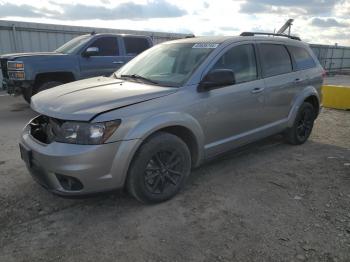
[[337, 97]]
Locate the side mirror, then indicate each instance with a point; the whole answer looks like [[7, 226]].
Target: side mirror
[[217, 78], [91, 51]]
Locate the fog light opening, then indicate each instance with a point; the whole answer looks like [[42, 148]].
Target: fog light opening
[[69, 183]]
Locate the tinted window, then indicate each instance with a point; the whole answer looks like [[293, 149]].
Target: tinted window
[[135, 45], [108, 46], [275, 60], [240, 59], [302, 58]]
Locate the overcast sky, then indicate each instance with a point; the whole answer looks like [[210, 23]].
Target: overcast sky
[[316, 21]]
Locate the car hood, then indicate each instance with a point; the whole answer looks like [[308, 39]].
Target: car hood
[[83, 100], [19, 55]]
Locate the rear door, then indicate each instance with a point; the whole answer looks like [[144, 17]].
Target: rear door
[[107, 60], [306, 66], [281, 82], [134, 45]]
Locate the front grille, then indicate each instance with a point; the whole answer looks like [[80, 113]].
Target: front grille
[[42, 128], [3, 64]]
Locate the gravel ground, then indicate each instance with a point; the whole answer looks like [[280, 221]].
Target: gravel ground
[[266, 202]]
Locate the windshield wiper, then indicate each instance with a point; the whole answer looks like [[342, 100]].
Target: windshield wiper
[[136, 76]]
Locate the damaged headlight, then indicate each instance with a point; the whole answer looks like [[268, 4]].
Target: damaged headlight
[[84, 133]]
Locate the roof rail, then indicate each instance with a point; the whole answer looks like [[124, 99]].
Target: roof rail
[[272, 34]]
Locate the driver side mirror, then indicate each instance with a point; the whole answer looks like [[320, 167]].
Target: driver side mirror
[[91, 51], [217, 78]]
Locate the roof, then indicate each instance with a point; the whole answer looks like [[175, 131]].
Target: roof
[[115, 34], [222, 39]]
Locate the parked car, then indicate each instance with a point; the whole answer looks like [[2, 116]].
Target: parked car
[[82, 57], [168, 110]]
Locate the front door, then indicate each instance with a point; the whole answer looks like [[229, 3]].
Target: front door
[[107, 61], [234, 112]]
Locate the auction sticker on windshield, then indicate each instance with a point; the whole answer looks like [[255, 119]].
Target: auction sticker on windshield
[[205, 45]]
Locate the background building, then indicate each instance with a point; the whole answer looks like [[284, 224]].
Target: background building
[[30, 37]]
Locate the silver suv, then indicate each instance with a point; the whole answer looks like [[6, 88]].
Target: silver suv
[[167, 111]]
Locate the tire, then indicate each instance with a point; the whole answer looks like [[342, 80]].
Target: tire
[[303, 124], [159, 168], [27, 94], [47, 85]]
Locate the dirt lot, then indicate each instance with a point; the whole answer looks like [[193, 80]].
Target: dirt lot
[[268, 202]]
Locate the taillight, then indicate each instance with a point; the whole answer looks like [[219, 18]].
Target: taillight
[[324, 73]]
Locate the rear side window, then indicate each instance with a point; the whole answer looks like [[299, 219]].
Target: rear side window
[[302, 58], [275, 60], [135, 45], [240, 59], [107, 46]]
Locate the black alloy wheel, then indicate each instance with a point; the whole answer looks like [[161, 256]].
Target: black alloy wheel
[[163, 172], [159, 168], [305, 123]]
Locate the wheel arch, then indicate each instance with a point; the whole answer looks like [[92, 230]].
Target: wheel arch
[[182, 125], [187, 136], [309, 94], [62, 76], [313, 100]]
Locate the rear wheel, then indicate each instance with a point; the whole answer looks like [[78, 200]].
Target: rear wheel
[[303, 124], [159, 168]]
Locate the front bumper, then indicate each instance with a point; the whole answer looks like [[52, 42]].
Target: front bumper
[[14, 87], [97, 167]]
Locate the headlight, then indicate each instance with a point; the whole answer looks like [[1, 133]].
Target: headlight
[[84, 133], [16, 75], [15, 65]]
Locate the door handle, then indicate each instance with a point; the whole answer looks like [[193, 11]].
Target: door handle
[[257, 90], [298, 80], [118, 62]]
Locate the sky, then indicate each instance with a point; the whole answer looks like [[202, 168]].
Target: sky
[[315, 21]]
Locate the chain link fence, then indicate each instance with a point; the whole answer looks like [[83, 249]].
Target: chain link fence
[[334, 59]]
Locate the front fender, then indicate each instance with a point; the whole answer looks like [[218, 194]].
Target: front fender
[[136, 135], [157, 122], [55, 64], [298, 101]]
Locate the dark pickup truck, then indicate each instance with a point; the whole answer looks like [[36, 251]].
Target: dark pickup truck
[[82, 57]]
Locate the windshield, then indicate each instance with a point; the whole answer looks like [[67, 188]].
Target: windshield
[[167, 64], [72, 45]]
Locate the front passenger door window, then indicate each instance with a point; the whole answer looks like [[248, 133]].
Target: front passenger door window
[[105, 62], [241, 60], [107, 46]]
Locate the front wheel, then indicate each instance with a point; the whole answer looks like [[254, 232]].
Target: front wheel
[[159, 168], [303, 124], [27, 94]]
